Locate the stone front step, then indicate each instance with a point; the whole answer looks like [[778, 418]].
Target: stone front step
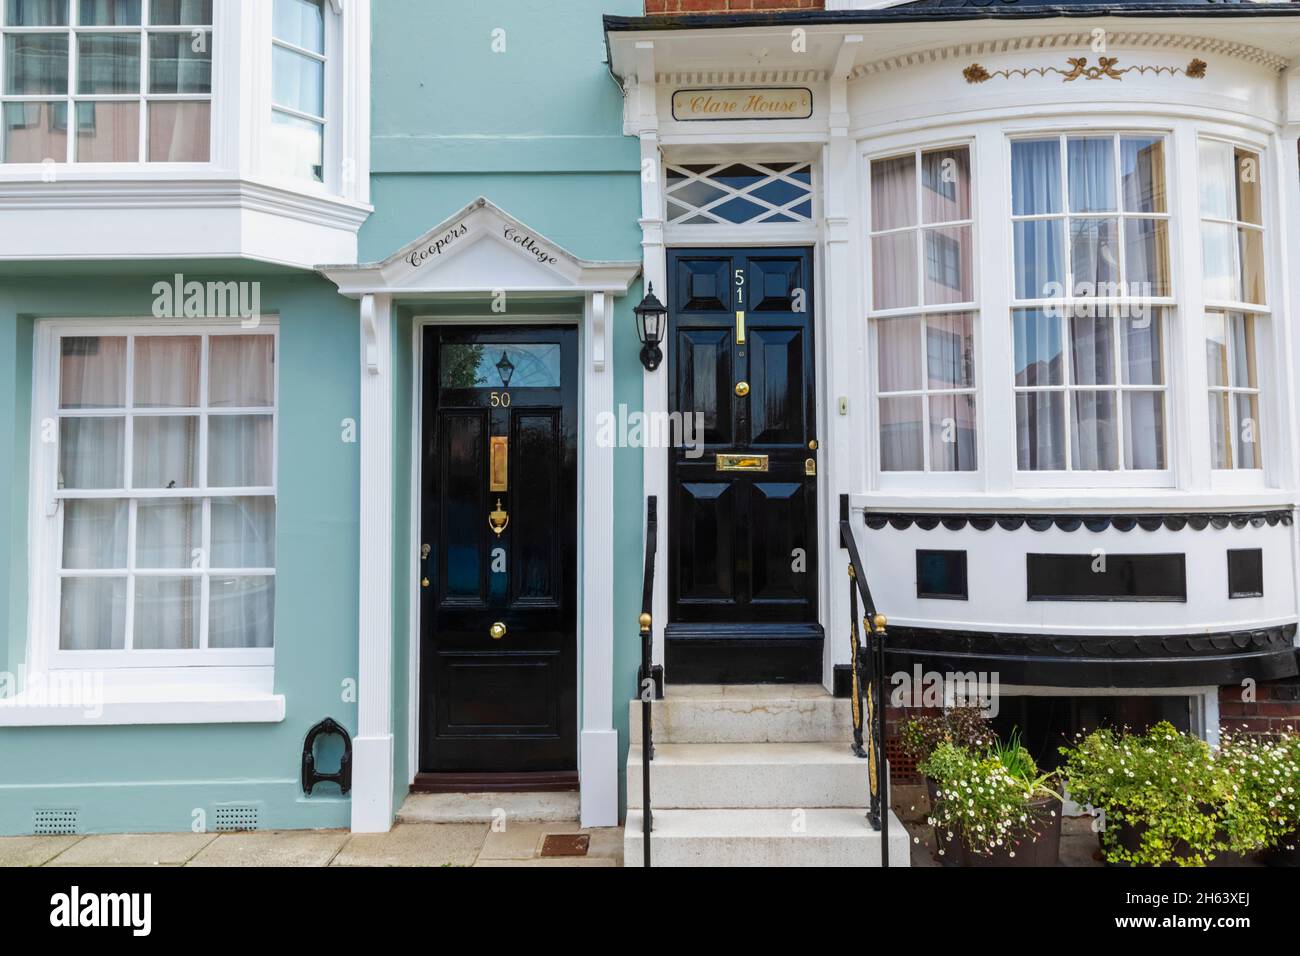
[[822, 774], [745, 713], [763, 837], [490, 807]]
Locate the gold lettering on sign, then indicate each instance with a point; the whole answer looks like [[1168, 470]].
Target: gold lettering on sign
[[723, 104]]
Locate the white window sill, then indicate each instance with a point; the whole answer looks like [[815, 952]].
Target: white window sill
[[138, 709]]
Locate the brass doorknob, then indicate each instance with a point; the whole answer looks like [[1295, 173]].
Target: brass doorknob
[[497, 631], [742, 389]]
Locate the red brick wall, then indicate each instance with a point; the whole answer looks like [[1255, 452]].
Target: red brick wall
[[653, 7], [1276, 707]]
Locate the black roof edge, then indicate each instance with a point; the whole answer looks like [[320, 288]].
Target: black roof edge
[[909, 14]]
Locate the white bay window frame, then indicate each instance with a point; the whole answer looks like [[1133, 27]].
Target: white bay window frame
[[238, 670]]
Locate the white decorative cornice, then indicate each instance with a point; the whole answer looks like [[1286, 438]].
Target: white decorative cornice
[[741, 77], [1076, 41]]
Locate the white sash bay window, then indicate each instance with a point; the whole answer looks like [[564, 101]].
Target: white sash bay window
[[106, 81], [1232, 243], [1091, 295], [922, 310], [162, 535], [298, 89]]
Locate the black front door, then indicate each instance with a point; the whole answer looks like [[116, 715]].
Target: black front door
[[743, 514], [498, 609]]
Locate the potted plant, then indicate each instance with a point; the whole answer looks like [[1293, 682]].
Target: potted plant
[[1163, 793], [992, 807], [1263, 811], [960, 726]]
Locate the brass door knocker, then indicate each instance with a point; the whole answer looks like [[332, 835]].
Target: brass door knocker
[[498, 520]]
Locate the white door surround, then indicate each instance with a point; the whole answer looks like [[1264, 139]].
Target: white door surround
[[480, 253]]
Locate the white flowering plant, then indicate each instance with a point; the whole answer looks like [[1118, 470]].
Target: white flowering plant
[[993, 800], [1263, 778]]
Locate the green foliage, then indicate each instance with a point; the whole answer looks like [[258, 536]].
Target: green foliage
[[1263, 774], [992, 799]]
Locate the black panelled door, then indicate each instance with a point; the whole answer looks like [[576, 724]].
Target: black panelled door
[[743, 544], [498, 611]]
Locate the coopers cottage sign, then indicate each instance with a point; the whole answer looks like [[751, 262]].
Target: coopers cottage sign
[[446, 241], [742, 104]]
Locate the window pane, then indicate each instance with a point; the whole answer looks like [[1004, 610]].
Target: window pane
[[94, 535], [1035, 177], [92, 614], [1249, 203], [35, 132], [1093, 436], [1040, 268], [243, 532], [1141, 343], [299, 82], [1144, 430], [901, 427], [898, 354], [297, 147], [1038, 348], [109, 13], [1251, 247], [1092, 174], [1146, 257], [108, 63], [91, 453], [499, 365], [239, 451], [945, 181], [950, 351], [241, 371], [1216, 348], [1040, 431], [167, 371], [952, 433], [1218, 177], [165, 452], [1218, 252], [1247, 444], [1220, 431], [241, 612], [92, 372], [1092, 346], [893, 270], [108, 132], [36, 13], [176, 67], [177, 12], [893, 193], [1242, 328], [1142, 172], [168, 533], [36, 63], [948, 266], [1094, 256], [180, 132], [300, 22], [168, 613]]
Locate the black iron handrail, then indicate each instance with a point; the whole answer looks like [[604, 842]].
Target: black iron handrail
[[645, 675], [868, 671]]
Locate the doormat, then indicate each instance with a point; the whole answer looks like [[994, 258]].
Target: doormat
[[566, 844]]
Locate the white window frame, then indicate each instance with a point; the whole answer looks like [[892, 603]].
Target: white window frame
[[1167, 304], [937, 480], [333, 120], [143, 97], [1260, 315], [246, 668]]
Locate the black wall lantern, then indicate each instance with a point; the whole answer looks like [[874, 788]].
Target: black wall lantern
[[651, 321]]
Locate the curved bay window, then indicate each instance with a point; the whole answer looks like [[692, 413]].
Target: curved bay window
[[1091, 286], [922, 310]]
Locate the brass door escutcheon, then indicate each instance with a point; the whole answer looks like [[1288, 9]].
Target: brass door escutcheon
[[742, 389], [810, 467], [497, 631], [498, 520]]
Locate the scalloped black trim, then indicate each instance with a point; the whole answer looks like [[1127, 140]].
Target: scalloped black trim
[[1196, 520]]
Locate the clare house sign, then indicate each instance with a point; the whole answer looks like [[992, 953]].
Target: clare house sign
[[742, 104], [451, 239]]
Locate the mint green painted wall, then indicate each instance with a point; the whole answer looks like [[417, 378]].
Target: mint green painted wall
[[536, 129], [153, 778]]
